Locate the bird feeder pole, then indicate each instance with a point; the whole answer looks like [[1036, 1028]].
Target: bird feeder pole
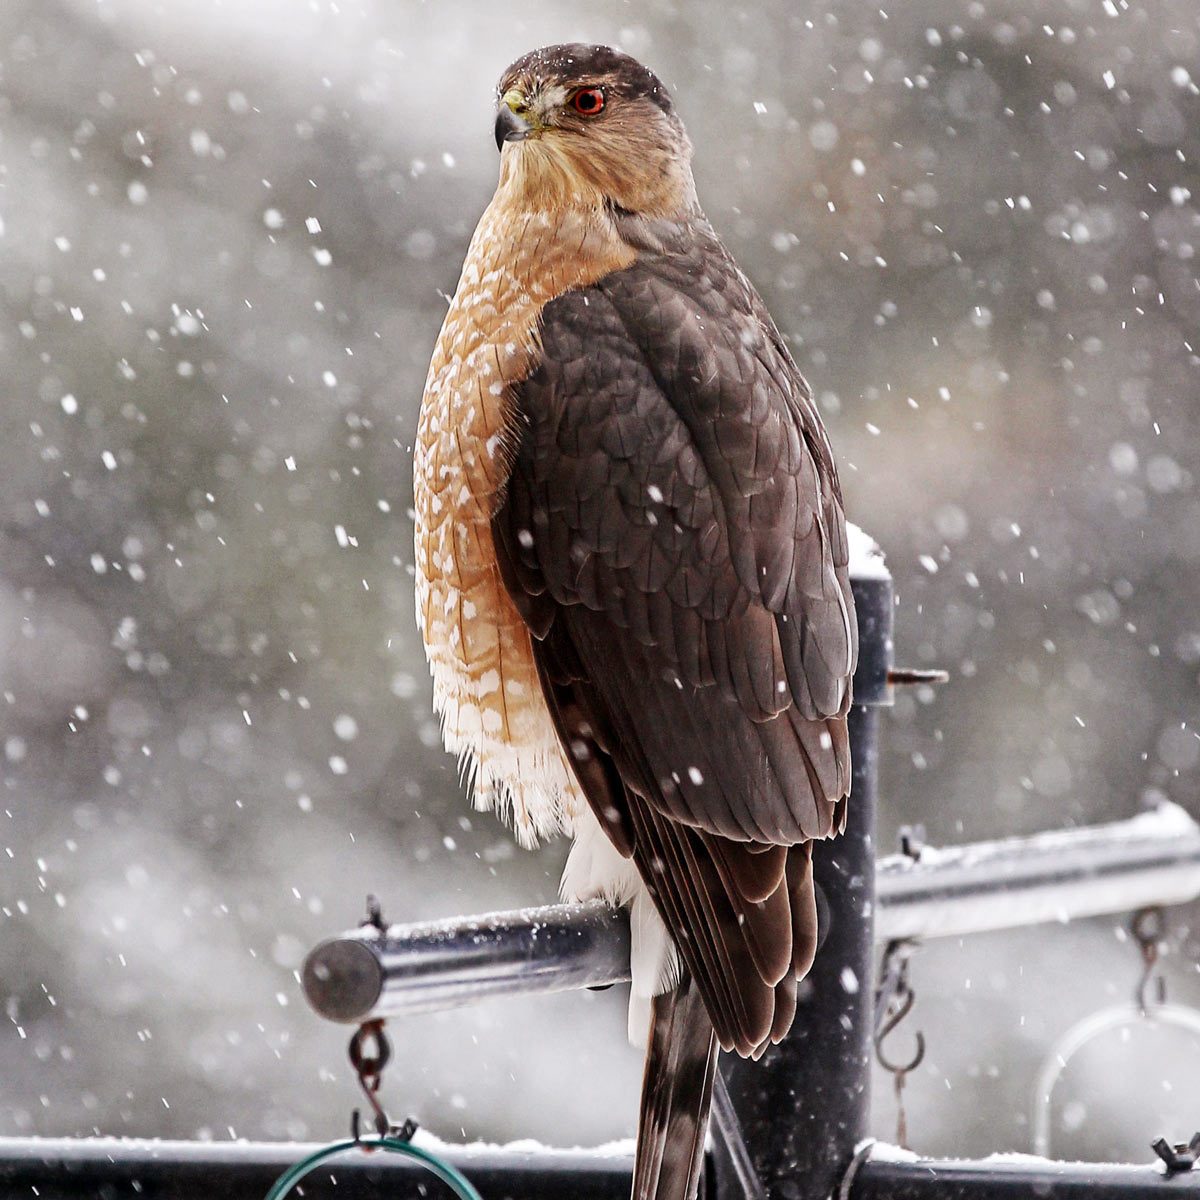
[[804, 1108]]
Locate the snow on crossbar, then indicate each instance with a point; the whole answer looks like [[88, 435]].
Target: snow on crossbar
[[1153, 858], [84, 1168]]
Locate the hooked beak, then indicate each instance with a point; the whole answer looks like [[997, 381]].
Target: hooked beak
[[510, 127]]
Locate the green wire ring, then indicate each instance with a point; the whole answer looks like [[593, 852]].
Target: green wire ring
[[443, 1170]]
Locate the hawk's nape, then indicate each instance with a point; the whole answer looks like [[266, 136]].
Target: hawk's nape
[[632, 572]]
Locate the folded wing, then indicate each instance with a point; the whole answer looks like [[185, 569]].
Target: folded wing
[[672, 533]]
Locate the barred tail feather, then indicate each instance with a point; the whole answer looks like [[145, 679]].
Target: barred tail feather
[[681, 1063]]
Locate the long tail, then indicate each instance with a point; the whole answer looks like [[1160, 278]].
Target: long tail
[[681, 1062]]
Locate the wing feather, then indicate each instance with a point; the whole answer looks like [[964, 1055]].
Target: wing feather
[[672, 532]]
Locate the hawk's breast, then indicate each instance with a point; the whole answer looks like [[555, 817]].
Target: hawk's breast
[[486, 685]]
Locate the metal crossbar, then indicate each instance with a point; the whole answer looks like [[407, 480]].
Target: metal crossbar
[[1119, 867], [127, 1169]]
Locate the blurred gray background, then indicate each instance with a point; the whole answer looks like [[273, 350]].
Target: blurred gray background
[[229, 230]]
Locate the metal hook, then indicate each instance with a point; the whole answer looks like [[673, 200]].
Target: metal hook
[[368, 1065], [371, 1051], [1149, 928], [902, 1011], [893, 1003]]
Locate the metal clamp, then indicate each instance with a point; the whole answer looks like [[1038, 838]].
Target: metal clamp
[[1180, 1156]]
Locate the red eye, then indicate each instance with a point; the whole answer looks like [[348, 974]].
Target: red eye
[[588, 101]]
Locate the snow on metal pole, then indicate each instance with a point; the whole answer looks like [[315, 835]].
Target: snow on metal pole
[[129, 1169], [85, 1168], [373, 973], [896, 1175], [1151, 859]]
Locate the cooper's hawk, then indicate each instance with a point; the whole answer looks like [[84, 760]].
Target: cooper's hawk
[[632, 572]]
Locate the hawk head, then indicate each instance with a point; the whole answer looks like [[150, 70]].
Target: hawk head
[[580, 124]]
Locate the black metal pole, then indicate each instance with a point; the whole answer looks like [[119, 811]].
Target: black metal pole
[[1018, 1179], [125, 1169], [118, 1169], [804, 1108]]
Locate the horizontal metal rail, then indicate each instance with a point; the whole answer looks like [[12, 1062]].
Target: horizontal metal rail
[[120, 1169], [117, 1169], [1017, 1177], [1151, 859], [445, 964]]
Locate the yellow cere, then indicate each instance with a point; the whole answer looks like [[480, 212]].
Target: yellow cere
[[514, 98]]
